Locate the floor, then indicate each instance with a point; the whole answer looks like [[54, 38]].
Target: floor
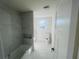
[[42, 51]]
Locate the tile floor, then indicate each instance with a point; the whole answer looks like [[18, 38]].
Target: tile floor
[[42, 51]]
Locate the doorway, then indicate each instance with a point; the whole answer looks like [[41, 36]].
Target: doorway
[[43, 36], [43, 29]]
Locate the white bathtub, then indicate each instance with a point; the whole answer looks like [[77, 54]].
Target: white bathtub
[[19, 52]]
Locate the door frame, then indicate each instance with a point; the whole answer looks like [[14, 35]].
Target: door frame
[[76, 42]]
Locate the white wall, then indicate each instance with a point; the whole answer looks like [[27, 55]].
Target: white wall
[[67, 14], [63, 18]]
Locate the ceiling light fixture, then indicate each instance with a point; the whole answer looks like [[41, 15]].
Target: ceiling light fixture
[[46, 7]]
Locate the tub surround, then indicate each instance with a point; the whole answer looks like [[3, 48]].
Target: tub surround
[[11, 28]]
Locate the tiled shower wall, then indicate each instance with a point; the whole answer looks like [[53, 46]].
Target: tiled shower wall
[[10, 30]]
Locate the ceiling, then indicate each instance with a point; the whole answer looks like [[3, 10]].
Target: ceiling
[[26, 5]]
